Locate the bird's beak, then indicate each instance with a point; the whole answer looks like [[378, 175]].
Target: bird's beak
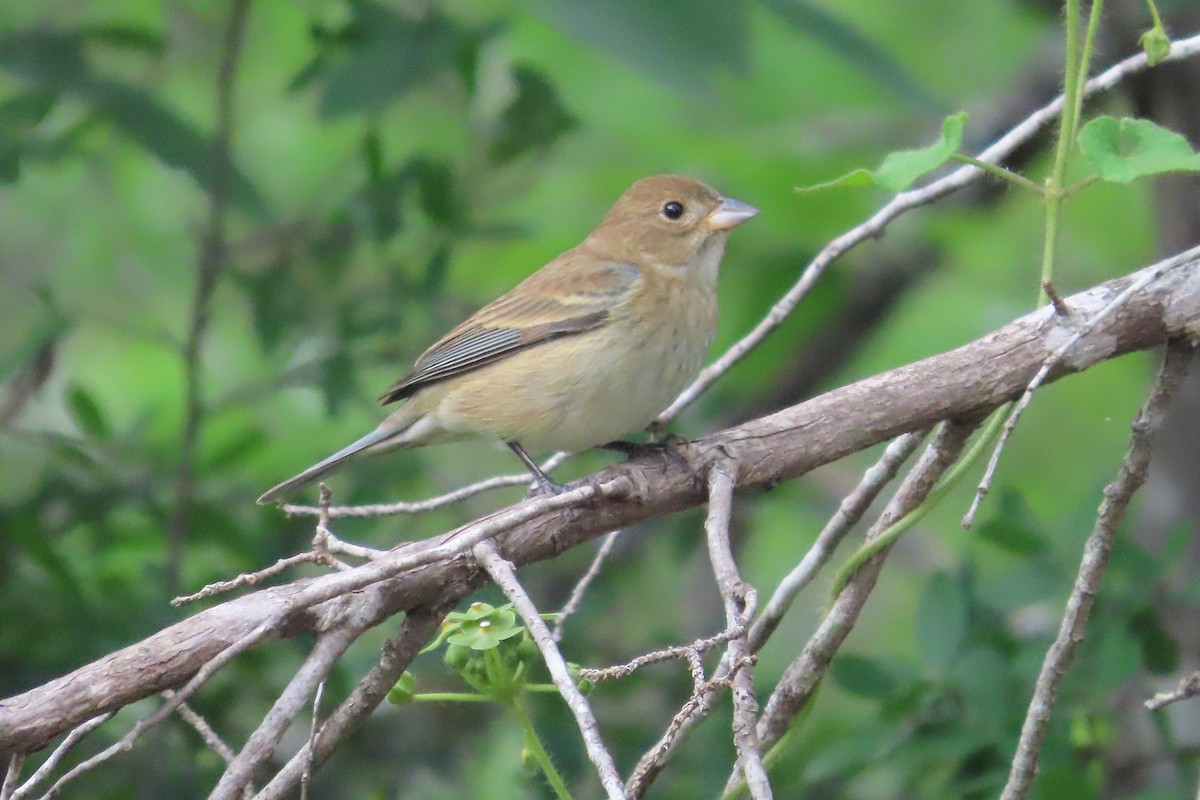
[[730, 214]]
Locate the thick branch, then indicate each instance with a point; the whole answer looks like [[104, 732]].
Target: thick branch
[[964, 382]]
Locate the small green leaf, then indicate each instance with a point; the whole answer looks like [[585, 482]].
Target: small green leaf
[[402, 692], [833, 30], [1156, 45], [1160, 654], [1014, 527], [338, 380], [865, 677], [382, 192], [482, 626], [901, 169], [86, 412], [245, 443], [126, 37], [57, 60], [942, 621], [685, 43], [19, 115], [533, 120], [456, 656], [380, 56], [437, 190], [1124, 149]]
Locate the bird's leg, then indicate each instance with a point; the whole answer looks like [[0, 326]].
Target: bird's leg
[[544, 484]]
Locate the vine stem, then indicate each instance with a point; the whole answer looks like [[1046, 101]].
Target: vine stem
[[517, 706]]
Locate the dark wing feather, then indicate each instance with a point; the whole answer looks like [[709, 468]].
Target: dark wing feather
[[568, 296]]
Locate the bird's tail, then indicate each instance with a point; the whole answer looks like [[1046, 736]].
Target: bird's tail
[[382, 438]]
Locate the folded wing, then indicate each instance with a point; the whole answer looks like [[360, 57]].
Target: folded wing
[[572, 294]]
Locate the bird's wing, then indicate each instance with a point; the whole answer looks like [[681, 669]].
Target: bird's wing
[[570, 295]]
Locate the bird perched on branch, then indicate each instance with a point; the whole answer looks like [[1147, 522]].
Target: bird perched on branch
[[588, 348]]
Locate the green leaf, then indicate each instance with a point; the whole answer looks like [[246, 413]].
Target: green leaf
[[533, 120], [901, 169], [942, 621], [686, 43], [1155, 44], [19, 115], [381, 55], [1013, 526], [481, 626], [25, 530], [339, 380], [981, 675], [402, 692], [126, 37], [383, 189], [437, 190], [859, 51], [1160, 654], [1122, 150], [245, 443], [436, 271], [86, 412], [56, 60], [275, 303], [862, 676]]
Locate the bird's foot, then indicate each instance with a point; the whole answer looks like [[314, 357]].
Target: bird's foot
[[660, 434], [668, 447], [544, 487]]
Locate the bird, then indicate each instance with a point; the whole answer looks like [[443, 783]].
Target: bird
[[592, 346]]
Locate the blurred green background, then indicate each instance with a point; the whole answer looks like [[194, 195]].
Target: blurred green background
[[396, 165]]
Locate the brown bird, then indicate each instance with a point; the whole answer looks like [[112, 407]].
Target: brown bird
[[588, 348]]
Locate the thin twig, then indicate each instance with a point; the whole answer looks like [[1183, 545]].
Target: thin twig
[[248, 578], [795, 688], [208, 272], [686, 652], [325, 544], [433, 503], [505, 576], [874, 227], [419, 554], [201, 726], [1117, 495], [581, 586], [210, 737], [739, 600], [1055, 358], [306, 776], [48, 766], [12, 775], [141, 726], [848, 514], [698, 704], [328, 648], [1188, 687], [398, 652]]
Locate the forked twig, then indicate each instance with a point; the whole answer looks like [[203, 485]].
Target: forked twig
[[505, 576], [1130, 477]]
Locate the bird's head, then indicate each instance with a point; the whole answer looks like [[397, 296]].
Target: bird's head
[[669, 220]]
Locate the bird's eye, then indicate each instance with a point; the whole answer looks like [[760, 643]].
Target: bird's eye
[[673, 210]]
